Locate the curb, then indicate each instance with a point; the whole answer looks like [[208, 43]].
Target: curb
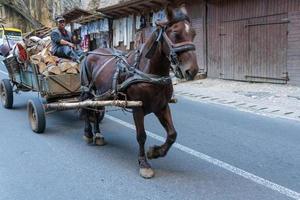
[[269, 111]]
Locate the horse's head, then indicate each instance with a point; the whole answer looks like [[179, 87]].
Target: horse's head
[[177, 37]]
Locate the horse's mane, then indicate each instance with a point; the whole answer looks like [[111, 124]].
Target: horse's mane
[[151, 44]]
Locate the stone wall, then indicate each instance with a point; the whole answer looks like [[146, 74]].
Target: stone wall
[[12, 19], [43, 11], [106, 3]]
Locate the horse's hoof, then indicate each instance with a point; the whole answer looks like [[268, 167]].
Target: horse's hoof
[[153, 152], [146, 173], [99, 140], [88, 140]]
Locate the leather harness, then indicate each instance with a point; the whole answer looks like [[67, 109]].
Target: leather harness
[[132, 72]]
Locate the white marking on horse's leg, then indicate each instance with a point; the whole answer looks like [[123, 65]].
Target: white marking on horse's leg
[[261, 181], [187, 27]]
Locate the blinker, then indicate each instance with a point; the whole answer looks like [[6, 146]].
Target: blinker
[[184, 48]]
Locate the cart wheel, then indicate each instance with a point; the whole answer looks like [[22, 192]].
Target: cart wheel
[[36, 115], [101, 115], [7, 95]]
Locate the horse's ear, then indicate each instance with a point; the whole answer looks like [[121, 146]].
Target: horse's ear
[[183, 9], [170, 12]]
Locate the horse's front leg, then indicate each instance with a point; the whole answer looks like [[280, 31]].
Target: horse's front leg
[[165, 119], [145, 168]]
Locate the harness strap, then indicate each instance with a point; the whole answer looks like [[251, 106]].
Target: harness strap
[[98, 72], [139, 78]]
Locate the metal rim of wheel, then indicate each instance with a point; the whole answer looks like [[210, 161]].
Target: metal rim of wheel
[[3, 94], [36, 115]]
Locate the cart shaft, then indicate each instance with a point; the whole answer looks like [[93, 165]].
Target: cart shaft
[[89, 103]]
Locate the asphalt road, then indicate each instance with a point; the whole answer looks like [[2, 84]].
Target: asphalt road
[[221, 153]]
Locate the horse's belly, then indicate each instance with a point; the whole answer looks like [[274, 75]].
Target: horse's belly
[[154, 97]]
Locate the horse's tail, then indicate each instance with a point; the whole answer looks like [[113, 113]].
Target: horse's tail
[[84, 75], [85, 87]]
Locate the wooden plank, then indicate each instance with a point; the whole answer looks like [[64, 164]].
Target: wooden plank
[[268, 48], [293, 53], [227, 51], [240, 57], [293, 5], [196, 12], [214, 40]]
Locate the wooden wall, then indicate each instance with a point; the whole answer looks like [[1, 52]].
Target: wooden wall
[[196, 10], [213, 40], [253, 40], [293, 64]]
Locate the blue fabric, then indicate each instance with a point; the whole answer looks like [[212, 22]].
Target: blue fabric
[[68, 52]]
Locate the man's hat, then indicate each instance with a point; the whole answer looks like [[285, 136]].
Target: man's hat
[[59, 18]]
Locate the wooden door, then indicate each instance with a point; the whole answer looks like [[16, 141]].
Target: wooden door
[[268, 49], [255, 49], [234, 48]]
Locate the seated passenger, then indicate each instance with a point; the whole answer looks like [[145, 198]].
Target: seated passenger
[[62, 45]]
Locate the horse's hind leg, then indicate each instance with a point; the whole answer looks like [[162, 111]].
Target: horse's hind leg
[[165, 119], [88, 134], [145, 168], [99, 138]]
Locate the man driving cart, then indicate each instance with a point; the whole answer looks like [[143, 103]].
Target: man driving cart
[[62, 45]]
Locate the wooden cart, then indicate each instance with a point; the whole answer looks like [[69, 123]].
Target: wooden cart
[[60, 92]]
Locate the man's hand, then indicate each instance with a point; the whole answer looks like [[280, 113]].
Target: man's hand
[[72, 45]]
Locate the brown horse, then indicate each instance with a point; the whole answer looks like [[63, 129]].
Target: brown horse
[[144, 76]]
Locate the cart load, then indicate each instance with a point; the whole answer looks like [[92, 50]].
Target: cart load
[[39, 54]]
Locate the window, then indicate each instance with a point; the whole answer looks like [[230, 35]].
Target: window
[[13, 33]]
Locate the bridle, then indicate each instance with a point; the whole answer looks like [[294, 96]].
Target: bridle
[[172, 49]]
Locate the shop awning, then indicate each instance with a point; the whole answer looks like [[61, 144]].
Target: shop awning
[[90, 18], [75, 14], [133, 6]]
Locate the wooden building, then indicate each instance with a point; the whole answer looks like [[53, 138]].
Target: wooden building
[[246, 40], [196, 9], [255, 40]]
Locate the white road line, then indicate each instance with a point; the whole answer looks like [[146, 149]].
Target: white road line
[[273, 186], [3, 72]]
